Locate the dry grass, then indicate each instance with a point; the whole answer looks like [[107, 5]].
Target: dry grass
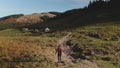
[[16, 48], [34, 18], [24, 50]]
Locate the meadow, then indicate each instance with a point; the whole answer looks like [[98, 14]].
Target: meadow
[[99, 43]]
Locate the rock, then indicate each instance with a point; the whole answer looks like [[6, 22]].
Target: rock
[[94, 35], [77, 60], [87, 57]]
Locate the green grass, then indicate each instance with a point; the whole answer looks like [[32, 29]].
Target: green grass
[[106, 64], [103, 38], [39, 49], [13, 32]]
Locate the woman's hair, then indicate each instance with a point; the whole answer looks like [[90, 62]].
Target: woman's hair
[[59, 45]]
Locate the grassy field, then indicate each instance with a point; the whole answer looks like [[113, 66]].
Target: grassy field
[[99, 43], [23, 49]]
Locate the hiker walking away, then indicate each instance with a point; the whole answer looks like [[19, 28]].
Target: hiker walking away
[[59, 53]]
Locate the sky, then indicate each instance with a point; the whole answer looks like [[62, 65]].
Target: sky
[[9, 7]]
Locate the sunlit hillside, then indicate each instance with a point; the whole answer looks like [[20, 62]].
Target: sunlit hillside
[[89, 37]]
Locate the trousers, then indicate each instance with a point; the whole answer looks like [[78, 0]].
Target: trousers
[[59, 58]]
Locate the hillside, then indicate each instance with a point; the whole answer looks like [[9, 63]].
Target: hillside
[[11, 16], [80, 17], [34, 18], [97, 11], [15, 21], [89, 37], [93, 45]]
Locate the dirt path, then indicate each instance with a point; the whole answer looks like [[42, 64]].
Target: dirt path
[[65, 57], [68, 59]]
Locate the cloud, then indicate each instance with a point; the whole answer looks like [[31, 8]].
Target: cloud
[[81, 1], [17, 10], [77, 1]]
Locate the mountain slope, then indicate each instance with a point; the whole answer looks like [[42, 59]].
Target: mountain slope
[[95, 40], [15, 21], [34, 18], [81, 18], [97, 11]]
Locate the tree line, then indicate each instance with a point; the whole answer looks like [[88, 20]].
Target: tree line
[[103, 4]]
